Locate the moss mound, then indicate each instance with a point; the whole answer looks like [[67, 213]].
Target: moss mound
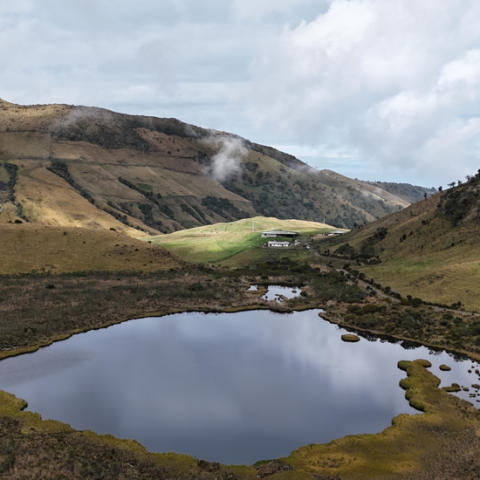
[[424, 363], [454, 387], [445, 368], [348, 337]]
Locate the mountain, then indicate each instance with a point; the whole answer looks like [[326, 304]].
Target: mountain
[[405, 191], [74, 166], [429, 250]]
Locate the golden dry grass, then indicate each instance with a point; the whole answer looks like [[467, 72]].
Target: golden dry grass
[[50, 200], [436, 262], [26, 248], [433, 445], [39, 448], [441, 443]]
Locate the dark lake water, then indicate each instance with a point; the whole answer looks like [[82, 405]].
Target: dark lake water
[[233, 388]]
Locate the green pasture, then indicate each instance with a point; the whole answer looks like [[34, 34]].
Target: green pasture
[[233, 244], [445, 277]]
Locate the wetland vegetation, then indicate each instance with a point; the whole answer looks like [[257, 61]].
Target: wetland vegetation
[[38, 308], [105, 179], [41, 308], [231, 387]]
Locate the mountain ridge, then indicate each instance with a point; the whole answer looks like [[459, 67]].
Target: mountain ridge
[[89, 166]]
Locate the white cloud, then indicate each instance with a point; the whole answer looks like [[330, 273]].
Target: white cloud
[[396, 80], [254, 10], [230, 153], [394, 83]]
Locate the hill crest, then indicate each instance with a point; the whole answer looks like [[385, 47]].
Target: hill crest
[[428, 250], [151, 175]]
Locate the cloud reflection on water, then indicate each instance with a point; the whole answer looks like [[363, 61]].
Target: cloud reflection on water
[[233, 388]]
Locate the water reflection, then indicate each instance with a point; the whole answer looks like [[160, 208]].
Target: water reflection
[[276, 292], [233, 388]]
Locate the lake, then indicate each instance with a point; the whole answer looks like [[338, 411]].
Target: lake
[[233, 388]]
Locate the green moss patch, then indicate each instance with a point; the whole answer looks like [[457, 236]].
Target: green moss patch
[[414, 447], [349, 337], [454, 387], [424, 363]]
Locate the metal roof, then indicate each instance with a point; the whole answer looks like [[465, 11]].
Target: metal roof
[[281, 232]]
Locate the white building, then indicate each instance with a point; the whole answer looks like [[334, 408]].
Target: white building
[[274, 243]]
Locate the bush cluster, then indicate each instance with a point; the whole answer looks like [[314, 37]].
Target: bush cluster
[[223, 207], [61, 169]]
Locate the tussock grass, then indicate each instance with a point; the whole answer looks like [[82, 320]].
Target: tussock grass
[[441, 443], [40, 248], [348, 337], [437, 444], [424, 255], [61, 452]]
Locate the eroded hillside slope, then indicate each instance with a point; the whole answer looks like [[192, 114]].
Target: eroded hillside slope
[[89, 167]]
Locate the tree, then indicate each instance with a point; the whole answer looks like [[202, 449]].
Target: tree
[[451, 185]]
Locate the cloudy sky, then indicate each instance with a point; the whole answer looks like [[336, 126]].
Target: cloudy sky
[[375, 89]]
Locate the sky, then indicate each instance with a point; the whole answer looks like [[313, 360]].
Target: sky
[[385, 90]]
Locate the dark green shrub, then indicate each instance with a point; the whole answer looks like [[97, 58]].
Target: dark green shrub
[[416, 302], [345, 250], [370, 308], [355, 309]]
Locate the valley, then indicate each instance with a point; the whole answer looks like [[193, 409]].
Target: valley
[[157, 175], [106, 218]]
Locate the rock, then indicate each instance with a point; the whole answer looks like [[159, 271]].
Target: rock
[[445, 368], [349, 337]]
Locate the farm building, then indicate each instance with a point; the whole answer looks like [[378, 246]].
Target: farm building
[[336, 232], [274, 243], [279, 233]]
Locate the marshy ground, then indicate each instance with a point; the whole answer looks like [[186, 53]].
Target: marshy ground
[[37, 309]]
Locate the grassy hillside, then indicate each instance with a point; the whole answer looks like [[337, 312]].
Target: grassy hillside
[[429, 250], [89, 167], [232, 244], [34, 248], [405, 191]]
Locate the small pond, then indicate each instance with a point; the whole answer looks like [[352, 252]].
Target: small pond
[[275, 292], [233, 388]]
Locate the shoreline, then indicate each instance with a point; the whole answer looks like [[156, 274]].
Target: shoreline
[[463, 411]]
